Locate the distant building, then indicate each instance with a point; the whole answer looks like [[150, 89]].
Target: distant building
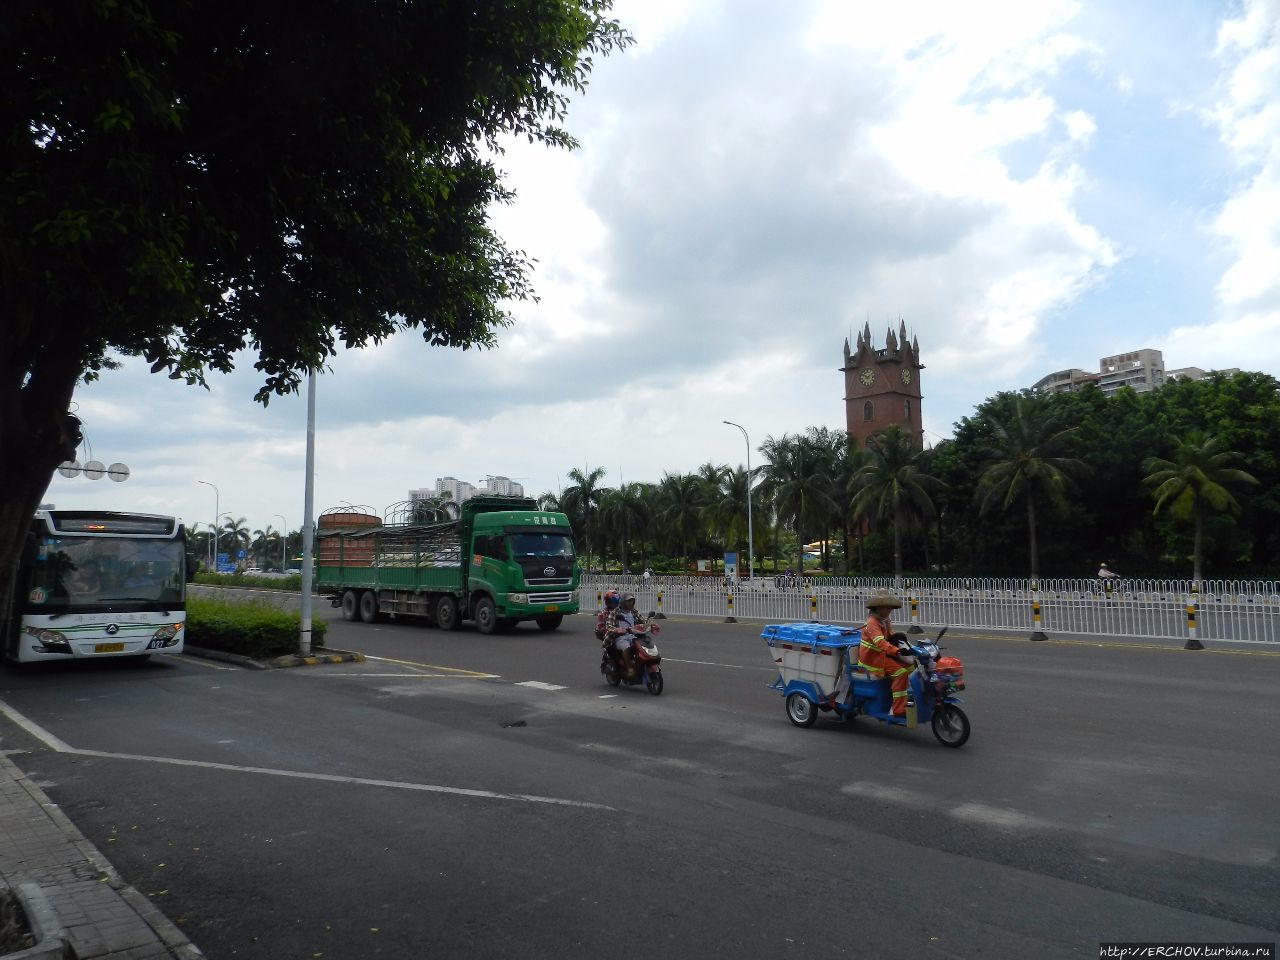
[[1140, 370], [502, 486], [457, 490]]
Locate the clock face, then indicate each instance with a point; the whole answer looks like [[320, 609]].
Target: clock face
[[868, 377], [906, 375]]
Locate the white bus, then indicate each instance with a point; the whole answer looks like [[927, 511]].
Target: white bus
[[98, 584]]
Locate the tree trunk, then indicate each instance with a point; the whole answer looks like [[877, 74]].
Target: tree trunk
[[32, 444], [1195, 550], [897, 549], [1031, 526]]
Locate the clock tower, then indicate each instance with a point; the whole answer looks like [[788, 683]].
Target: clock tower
[[882, 387]]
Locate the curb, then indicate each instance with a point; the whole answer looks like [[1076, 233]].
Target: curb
[[174, 941], [206, 653], [332, 656]]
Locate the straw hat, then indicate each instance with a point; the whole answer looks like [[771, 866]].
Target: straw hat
[[883, 599]]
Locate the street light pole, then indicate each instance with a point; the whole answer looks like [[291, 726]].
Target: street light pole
[[751, 547], [284, 540], [217, 512], [232, 519], [304, 631]]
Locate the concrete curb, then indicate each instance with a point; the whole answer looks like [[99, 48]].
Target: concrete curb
[[66, 894], [49, 934], [329, 656], [205, 653]]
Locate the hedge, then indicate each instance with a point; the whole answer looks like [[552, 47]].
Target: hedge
[[251, 628]]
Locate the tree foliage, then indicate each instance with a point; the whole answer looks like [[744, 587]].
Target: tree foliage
[[183, 181]]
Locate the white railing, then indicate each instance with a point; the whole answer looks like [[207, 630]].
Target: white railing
[[1160, 609]]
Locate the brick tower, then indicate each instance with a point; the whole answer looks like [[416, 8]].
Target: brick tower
[[882, 387]]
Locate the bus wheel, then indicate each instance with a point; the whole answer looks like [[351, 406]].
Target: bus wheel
[[350, 605], [447, 613], [369, 607]]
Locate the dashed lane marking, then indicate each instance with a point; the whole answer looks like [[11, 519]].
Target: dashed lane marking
[[539, 685], [436, 666]]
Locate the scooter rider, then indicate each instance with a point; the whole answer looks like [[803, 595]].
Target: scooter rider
[[620, 619], [611, 600], [879, 655]]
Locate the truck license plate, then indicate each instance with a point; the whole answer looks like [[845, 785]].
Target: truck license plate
[[552, 608], [109, 648]]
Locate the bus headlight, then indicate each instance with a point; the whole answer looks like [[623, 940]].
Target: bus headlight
[[165, 636], [520, 598], [51, 640]]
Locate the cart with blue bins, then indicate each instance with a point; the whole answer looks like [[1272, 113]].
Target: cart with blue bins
[[818, 671]]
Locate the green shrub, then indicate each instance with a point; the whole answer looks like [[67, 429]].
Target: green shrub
[[251, 628], [291, 582]]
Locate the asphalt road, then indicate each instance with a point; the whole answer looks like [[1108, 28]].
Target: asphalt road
[[429, 802]]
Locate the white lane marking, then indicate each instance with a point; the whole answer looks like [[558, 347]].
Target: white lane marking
[[436, 666], [539, 685], [607, 696], [33, 728], [417, 675], [60, 746], [728, 666]]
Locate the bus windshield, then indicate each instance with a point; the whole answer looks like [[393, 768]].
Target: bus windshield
[[92, 572], [542, 546]]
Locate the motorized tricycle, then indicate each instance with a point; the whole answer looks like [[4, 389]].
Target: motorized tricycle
[[818, 673]]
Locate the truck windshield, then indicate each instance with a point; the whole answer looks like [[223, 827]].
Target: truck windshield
[[88, 572], [541, 545]]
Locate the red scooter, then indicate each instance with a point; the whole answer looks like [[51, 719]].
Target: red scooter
[[646, 661]]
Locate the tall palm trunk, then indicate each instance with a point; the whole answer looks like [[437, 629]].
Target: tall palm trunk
[[1031, 526], [1195, 567], [897, 548]]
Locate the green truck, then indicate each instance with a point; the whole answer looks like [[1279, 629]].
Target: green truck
[[501, 561]]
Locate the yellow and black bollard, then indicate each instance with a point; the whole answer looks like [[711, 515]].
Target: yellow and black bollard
[[1036, 632], [659, 615], [813, 608], [729, 617], [1193, 607]]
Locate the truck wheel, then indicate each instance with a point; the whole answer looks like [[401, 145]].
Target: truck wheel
[[369, 607], [447, 613], [350, 605], [486, 616], [551, 622]]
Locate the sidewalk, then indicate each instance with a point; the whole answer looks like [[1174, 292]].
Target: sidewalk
[[91, 908]]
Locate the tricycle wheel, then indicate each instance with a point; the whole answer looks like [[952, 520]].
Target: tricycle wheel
[[654, 684], [950, 725], [801, 710]]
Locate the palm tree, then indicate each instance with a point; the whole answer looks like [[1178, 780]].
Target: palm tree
[[681, 499], [727, 507], [549, 501], [1194, 482], [262, 540], [236, 531], [893, 486], [846, 482], [1023, 464], [583, 497], [796, 485]]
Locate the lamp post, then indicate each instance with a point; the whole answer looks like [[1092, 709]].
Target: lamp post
[[213, 545], [751, 551], [284, 540]]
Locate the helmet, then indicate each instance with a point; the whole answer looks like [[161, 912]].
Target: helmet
[[611, 599]]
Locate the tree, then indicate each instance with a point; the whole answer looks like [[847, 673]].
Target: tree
[[235, 534], [181, 182], [1194, 482], [796, 486], [583, 498], [682, 498], [1023, 465], [893, 485]]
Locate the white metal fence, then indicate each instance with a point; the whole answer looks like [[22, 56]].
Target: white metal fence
[[1162, 609]]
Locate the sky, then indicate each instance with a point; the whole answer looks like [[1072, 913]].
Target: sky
[[1028, 187]]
